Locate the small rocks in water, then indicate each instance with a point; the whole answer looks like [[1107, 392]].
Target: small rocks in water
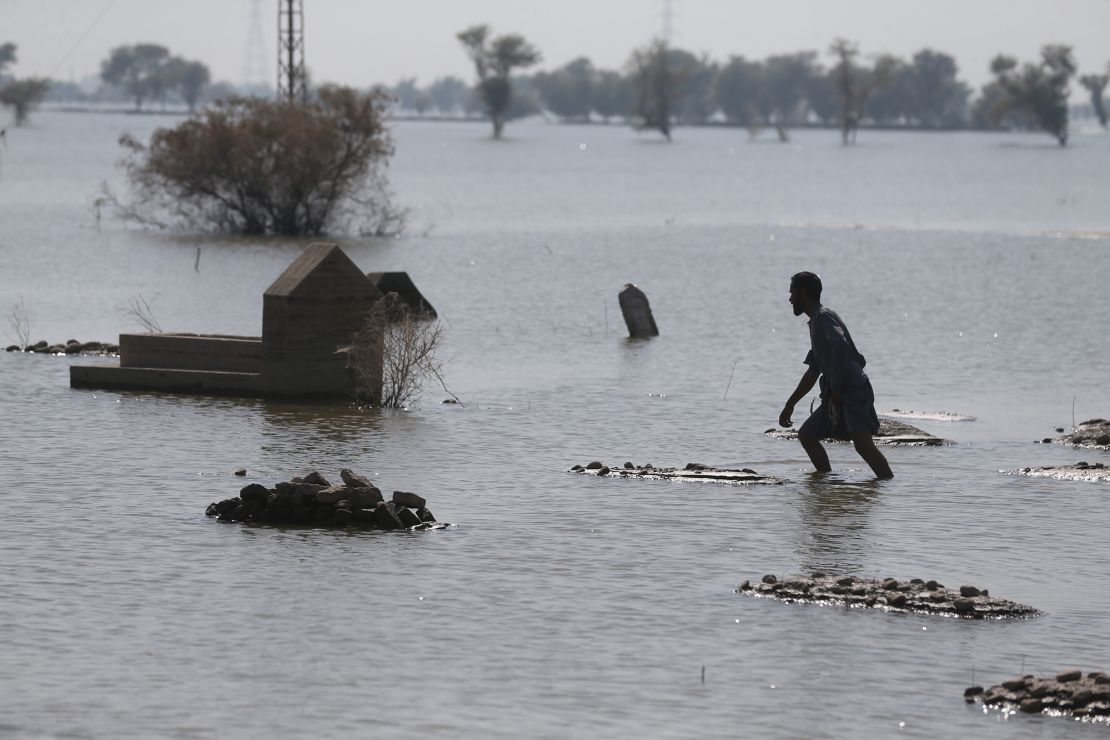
[[969, 591], [629, 466], [1091, 433], [308, 501], [1068, 694], [241, 472], [914, 595], [594, 466], [603, 471]]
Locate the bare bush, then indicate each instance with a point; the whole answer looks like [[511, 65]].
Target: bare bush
[[396, 345], [253, 166], [20, 322], [140, 310]]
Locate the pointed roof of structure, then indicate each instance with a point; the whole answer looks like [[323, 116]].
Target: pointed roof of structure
[[322, 268]]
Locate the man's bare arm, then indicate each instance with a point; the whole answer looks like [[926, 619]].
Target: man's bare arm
[[805, 385]]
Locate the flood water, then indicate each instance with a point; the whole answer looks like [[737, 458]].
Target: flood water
[[971, 268]]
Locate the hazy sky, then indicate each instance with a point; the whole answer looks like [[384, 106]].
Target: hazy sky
[[359, 42]]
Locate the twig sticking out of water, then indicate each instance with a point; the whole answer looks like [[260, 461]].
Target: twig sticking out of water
[[1073, 426], [20, 322], [730, 379], [140, 310], [703, 675]]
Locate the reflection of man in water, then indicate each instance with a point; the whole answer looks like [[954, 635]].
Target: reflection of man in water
[[847, 409]]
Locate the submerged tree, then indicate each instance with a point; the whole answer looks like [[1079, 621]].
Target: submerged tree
[[19, 95], [142, 70], [568, 92], [738, 90], [1039, 89], [854, 84], [494, 61], [254, 166], [1096, 85], [23, 95], [786, 79], [657, 79]]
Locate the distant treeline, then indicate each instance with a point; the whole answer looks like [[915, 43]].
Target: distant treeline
[[785, 90]]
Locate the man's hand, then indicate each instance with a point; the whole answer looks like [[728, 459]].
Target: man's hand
[[784, 417]]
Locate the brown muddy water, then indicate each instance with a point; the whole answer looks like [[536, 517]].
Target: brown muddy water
[[970, 268]]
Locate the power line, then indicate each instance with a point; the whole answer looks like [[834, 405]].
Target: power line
[[82, 37]]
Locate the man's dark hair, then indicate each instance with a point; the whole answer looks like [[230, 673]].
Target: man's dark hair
[[809, 283]]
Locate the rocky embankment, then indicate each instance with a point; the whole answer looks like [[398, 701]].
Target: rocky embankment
[[692, 472], [1091, 434], [891, 432], [915, 595], [1068, 694], [1081, 471], [313, 500], [71, 347]]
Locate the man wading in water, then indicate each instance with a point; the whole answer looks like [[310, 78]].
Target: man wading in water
[[847, 409]]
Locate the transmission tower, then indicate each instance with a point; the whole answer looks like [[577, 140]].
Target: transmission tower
[[255, 72], [292, 77], [668, 21]]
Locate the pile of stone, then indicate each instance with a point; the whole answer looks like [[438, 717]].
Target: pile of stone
[[891, 433], [692, 471], [71, 347], [916, 595], [1081, 471], [1069, 694], [1092, 434], [313, 500]]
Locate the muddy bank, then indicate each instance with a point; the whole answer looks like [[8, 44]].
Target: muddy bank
[[891, 432], [915, 595], [1081, 471], [692, 472], [1067, 694], [315, 501]]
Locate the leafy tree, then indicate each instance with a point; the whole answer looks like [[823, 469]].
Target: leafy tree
[[406, 92], [23, 95], [1096, 85], [612, 95], [494, 60], [939, 99], [786, 80], [7, 55], [738, 90], [447, 94], [1039, 89], [658, 80], [255, 166], [143, 70], [697, 76], [854, 84], [189, 78], [568, 91]]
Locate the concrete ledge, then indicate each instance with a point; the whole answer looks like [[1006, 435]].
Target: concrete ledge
[[191, 352], [207, 382]]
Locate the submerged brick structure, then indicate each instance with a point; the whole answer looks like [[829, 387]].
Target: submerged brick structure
[[310, 311]]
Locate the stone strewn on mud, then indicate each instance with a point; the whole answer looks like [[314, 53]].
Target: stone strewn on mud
[[71, 347], [313, 500], [1068, 694], [1092, 434], [890, 433], [1082, 471], [692, 471], [916, 595]]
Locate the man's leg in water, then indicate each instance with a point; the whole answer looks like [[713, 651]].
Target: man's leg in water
[[866, 448], [816, 452]]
